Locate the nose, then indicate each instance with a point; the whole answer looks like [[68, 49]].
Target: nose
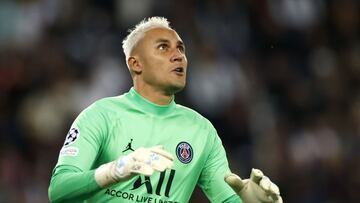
[[177, 56]]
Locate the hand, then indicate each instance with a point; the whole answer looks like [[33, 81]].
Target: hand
[[257, 189], [143, 161]]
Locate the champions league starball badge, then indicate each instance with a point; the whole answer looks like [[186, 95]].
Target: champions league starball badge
[[184, 152], [72, 136]]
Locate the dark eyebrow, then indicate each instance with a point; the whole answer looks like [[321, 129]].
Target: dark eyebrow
[[180, 43], [161, 40]]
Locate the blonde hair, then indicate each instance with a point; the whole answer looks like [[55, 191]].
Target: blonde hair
[[136, 34]]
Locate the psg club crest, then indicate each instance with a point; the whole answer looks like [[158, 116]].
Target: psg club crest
[[184, 152]]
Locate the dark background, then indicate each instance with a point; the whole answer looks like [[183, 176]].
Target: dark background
[[279, 79]]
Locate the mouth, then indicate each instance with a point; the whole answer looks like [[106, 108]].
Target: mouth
[[179, 70]]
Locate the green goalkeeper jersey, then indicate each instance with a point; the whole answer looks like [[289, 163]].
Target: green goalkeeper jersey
[[113, 127]]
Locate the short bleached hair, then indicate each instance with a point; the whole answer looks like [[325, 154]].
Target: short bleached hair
[[136, 34]]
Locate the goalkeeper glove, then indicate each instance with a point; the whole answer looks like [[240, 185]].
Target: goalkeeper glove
[[142, 161], [257, 189]]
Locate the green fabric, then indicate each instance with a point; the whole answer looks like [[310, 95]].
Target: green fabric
[[68, 182], [106, 128], [233, 199]]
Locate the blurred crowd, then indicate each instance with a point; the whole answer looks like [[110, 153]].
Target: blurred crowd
[[279, 79]]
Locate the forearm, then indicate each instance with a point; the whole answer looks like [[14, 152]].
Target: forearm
[[69, 182]]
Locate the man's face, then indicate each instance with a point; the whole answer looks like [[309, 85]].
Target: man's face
[[163, 64]]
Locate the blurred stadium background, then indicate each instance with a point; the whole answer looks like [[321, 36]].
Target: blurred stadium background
[[279, 79]]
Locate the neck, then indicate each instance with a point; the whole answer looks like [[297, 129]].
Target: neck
[[153, 94]]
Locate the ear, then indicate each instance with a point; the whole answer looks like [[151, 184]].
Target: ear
[[134, 64]]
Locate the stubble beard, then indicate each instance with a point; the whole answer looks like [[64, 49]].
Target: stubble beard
[[173, 88]]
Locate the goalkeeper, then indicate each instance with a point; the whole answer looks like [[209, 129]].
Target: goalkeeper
[[143, 147]]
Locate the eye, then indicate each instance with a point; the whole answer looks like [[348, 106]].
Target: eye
[[181, 48], [163, 47]]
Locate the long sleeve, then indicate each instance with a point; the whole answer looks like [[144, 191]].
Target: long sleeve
[[73, 177], [211, 179], [69, 182]]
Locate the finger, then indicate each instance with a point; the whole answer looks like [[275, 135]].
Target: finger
[[160, 163], [141, 168], [274, 192], [271, 190], [279, 200], [256, 175], [159, 150], [152, 159], [269, 187], [235, 182], [265, 184], [274, 189], [156, 147]]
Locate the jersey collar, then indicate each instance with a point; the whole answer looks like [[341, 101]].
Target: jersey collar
[[149, 106]]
